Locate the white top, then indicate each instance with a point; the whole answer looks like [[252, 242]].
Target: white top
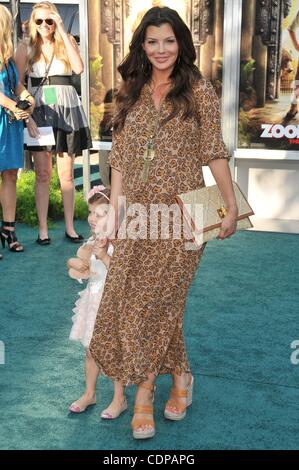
[[57, 68], [98, 271]]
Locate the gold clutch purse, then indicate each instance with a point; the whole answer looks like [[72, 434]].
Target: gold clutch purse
[[203, 210]]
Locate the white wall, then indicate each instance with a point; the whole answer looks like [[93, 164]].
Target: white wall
[[272, 187]]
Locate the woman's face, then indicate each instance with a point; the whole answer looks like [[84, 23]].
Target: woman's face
[[96, 213], [44, 29], [161, 47]]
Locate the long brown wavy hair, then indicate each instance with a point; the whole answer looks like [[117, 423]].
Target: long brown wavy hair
[[35, 41], [136, 70]]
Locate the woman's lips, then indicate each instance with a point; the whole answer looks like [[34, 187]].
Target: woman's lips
[[161, 60]]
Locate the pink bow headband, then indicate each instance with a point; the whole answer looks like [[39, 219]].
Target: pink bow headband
[[97, 190]]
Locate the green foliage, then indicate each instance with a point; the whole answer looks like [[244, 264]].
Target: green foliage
[[26, 209], [97, 94], [95, 66], [246, 73], [244, 135]]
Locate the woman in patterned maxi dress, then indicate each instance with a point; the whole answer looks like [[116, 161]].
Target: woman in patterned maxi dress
[[138, 332]]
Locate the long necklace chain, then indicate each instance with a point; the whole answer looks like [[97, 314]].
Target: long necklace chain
[[149, 154]]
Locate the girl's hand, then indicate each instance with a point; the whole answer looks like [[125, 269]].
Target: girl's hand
[[229, 225], [58, 22], [32, 128], [99, 248], [106, 226]]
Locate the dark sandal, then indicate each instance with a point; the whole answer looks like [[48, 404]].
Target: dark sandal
[[10, 237]]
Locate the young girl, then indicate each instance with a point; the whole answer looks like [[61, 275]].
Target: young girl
[[93, 256]]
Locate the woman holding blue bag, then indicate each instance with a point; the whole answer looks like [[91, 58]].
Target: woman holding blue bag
[[12, 111]]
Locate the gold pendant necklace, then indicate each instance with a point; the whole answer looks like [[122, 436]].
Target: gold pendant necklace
[[148, 157], [149, 154]]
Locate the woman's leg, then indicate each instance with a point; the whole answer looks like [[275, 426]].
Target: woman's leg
[[43, 171], [181, 387], [65, 169], [144, 398], [118, 404], [8, 197], [91, 376]]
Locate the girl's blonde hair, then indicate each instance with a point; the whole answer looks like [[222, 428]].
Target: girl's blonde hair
[[35, 41], [6, 45]]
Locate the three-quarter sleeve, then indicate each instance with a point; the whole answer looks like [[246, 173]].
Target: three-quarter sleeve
[[115, 156], [294, 24], [211, 143]]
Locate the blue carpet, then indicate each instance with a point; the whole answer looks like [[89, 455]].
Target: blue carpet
[[241, 317]]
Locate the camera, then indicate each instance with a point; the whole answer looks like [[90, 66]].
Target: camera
[[23, 104]]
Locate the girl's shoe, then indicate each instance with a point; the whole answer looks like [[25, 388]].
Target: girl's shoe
[[74, 408], [108, 415], [173, 402], [9, 236], [148, 420]]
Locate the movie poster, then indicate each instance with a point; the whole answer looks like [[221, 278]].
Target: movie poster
[[269, 75], [111, 25]]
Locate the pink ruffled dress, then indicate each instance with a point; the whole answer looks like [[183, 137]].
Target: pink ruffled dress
[[86, 307]]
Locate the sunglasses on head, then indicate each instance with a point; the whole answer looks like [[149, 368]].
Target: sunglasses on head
[[40, 21]]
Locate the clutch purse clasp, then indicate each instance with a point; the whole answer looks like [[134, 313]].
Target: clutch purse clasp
[[222, 212]]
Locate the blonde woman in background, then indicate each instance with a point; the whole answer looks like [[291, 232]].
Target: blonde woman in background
[[11, 131], [53, 53]]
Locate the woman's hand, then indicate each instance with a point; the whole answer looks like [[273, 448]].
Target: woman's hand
[[20, 114], [31, 108], [229, 225], [32, 128], [58, 22]]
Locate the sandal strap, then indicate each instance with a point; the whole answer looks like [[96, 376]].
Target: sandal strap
[[8, 224], [179, 392], [148, 386], [172, 403], [139, 422], [143, 409]]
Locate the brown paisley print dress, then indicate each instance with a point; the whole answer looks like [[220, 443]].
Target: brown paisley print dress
[[139, 326]]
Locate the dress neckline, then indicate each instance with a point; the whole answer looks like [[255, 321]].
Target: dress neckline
[[149, 91]]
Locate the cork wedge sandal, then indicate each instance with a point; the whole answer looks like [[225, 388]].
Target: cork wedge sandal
[[147, 419], [174, 403]]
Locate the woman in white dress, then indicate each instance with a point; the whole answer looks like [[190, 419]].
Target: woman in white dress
[[49, 57]]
